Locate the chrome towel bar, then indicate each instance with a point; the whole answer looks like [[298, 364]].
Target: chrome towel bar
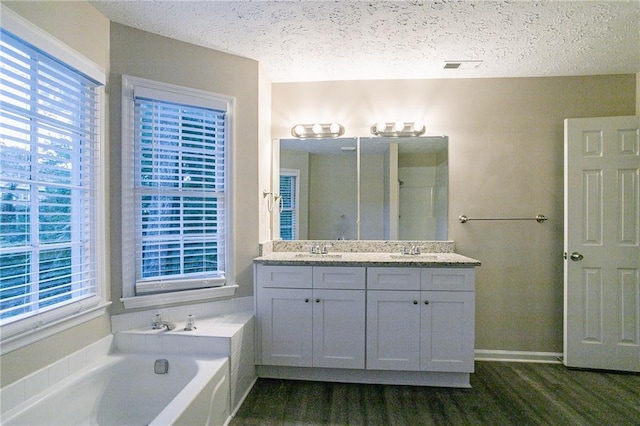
[[539, 218]]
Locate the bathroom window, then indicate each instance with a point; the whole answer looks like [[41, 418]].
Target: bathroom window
[[176, 173], [51, 193], [289, 204]]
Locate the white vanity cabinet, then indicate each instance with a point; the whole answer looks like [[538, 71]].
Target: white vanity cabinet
[[420, 319], [311, 316], [366, 323]]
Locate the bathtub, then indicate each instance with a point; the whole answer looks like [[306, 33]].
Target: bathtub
[[124, 389]]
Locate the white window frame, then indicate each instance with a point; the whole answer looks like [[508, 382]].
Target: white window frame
[[177, 94], [296, 203], [26, 331]]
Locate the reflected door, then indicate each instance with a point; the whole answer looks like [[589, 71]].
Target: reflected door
[[602, 243]]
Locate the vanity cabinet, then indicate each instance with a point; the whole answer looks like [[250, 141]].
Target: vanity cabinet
[[311, 316], [420, 319], [369, 324]]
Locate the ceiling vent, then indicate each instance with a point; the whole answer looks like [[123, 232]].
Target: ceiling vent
[[461, 65]]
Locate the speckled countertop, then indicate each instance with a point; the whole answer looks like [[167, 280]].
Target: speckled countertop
[[363, 253]]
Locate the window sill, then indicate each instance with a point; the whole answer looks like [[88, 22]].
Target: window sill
[[39, 331], [179, 297]]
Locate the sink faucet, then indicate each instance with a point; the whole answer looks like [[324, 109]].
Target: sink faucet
[[159, 324], [410, 251], [318, 249]]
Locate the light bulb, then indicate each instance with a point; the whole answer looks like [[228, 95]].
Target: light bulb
[[316, 128], [399, 126], [299, 130], [418, 126], [335, 128], [381, 126]]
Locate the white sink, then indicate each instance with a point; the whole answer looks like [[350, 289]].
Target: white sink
[[317, 256], [414, 256]]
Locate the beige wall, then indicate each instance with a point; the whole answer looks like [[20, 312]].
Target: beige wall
[[83, 28], [265, 148], [146, 55], [505, 160]]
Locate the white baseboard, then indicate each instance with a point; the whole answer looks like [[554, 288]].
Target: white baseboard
[[518, 356]]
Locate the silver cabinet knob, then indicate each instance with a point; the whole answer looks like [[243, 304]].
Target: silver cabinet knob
[[575, 256], [317, 300], [415, 302], [426, 302], [306, 300]]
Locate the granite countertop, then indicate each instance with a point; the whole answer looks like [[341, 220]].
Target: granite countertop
[[433, 260]]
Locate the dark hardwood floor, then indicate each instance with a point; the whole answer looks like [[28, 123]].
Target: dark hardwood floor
[[502, 393]]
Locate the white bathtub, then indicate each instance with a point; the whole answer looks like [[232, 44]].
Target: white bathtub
[[123, 389]]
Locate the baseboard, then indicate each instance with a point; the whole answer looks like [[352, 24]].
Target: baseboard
[[518, 356]]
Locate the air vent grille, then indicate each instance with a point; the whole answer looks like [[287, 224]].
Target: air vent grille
[[461, 65]]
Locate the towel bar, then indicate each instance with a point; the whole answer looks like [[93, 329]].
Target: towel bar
[[539, 218]]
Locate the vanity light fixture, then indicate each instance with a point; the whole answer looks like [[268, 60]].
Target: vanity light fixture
[[317, 130], [397, 129]]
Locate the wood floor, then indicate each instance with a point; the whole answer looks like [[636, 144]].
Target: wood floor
[[502, 393]]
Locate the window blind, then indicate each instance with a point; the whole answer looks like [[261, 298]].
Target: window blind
[[288, 207], [179, 186], [49, 127]]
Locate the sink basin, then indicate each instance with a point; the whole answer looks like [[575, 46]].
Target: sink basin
[[317, 256], [414, 256]]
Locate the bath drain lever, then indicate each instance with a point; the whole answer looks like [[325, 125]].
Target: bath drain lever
[[161, 366]]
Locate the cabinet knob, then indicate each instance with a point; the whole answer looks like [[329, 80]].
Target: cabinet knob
[[317, 300], [415, 302], [306, 300], [426, 302]]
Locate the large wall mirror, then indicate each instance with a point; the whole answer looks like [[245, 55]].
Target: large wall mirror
[[367, 188]]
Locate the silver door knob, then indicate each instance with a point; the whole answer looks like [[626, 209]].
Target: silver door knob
[[575, 256]]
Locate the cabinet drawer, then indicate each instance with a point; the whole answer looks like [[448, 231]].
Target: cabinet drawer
[[339, 277], [284, 276], [393, 278], [451, 279]]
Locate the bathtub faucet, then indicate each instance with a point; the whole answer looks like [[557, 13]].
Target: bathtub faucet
[[159, 324]]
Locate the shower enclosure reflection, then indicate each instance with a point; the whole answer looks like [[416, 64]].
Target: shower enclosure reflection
[[400, 192]]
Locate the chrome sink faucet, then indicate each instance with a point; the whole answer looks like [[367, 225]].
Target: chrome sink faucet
[[410, 251], [318, 249], [159, 324]]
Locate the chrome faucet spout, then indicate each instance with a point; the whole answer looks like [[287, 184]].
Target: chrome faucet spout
[[163, 324], [159, 324]]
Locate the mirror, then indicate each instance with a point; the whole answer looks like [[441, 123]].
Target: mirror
[[400, 193]]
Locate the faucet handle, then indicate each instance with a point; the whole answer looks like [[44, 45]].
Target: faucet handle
[[325, 248], [403, 249]]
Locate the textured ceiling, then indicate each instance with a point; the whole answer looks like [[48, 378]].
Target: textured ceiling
[[356, 40]]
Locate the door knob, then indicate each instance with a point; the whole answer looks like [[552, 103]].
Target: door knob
[[575, 256]]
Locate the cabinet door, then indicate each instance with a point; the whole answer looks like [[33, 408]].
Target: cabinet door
[[338, 328], [393, 330], [285, 319], [447, 331]]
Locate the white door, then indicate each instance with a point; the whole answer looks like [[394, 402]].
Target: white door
[[602, 243], [393, 330], [338, 328], [285, 321], [446, 331]]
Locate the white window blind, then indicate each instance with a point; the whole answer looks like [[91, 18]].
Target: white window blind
[[49, 165], [288, 205], [179, 191]]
